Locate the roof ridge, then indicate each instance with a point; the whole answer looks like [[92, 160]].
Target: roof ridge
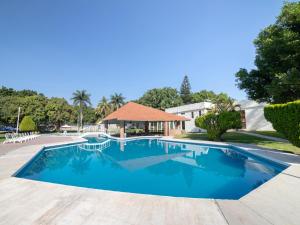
[[133, 111]]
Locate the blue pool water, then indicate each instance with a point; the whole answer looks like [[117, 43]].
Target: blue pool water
[[153, 167]]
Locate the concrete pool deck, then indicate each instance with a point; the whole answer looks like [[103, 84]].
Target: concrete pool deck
[[33, 202]]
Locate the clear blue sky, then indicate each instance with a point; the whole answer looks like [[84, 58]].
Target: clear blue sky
[[58, 46]]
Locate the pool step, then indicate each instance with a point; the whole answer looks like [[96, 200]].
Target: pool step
[[95, 146]]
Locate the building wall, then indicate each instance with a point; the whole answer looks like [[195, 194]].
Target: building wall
[[254, 114], [191, 111]]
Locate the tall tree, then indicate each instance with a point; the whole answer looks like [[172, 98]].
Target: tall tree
[[277, 77], [103, 108], [203, 95], [58, 111], [185, 90], [223, 103], [89, 115], [161, 98], [34, 106], [117, 100], [82, 100]]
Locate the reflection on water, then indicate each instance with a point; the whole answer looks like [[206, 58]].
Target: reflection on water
[[153, 167]]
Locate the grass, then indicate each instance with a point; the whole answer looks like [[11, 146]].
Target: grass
[[246, 139], [270, 133], [2, 138]]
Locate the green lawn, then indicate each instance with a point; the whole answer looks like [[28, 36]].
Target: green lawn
[[2, 138], [270, 133], [246, 139]]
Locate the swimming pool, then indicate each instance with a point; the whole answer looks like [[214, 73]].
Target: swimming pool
[[154, 167]]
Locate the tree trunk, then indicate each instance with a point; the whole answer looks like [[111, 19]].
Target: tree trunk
[[81, 118]]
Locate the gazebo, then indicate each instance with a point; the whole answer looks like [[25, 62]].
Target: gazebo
[[133, 112]]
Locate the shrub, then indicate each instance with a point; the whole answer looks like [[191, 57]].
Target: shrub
[[27, 124], [217, 124], [285, 119]]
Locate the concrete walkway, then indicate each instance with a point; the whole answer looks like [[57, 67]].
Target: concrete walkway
[[264, 136], [5, 148], [25, 202]]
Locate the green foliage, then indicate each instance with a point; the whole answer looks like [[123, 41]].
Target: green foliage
[[31, 103], [89, 115], [4, 92], [59, 111], [27, 124], [35, 107], [134, 131], [116, 100], [277, 77], [216, 124], [223, 102], [161, 98], [204, 95], [185, 90], [285, 118], [9, 109], [82, 100], [103, 108]]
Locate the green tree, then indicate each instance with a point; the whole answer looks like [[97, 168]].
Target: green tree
[[185, 90], [89, 115], [4, 92], [35, 106], [31, 103], [216, 124], [58, 111], [277, 77], [161, 98], [223, 103], [82, 100], [27, 124], [285, 118], [117, 100], [9, 109], [103, 108], [202, 96]]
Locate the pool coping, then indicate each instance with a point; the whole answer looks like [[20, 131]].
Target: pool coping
[[247, 210], [210, 143]]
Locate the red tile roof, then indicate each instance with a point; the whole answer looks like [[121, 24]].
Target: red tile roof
[[136, 112]]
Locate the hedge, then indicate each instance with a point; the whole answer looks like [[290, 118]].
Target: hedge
[[27, 124], [217, 124], [285, 119]]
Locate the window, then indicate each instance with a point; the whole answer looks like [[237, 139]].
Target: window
[[192, 114], [171, 125], [200, 113], [182, 113]]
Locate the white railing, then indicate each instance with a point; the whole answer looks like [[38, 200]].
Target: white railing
[[95, 146], [94, 128]]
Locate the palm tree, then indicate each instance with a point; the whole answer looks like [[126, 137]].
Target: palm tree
[[103, 108], [117, 100], [224, 103], [81, 99]]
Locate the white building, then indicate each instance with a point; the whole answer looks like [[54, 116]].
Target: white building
[[191, 111], [252, 115]]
